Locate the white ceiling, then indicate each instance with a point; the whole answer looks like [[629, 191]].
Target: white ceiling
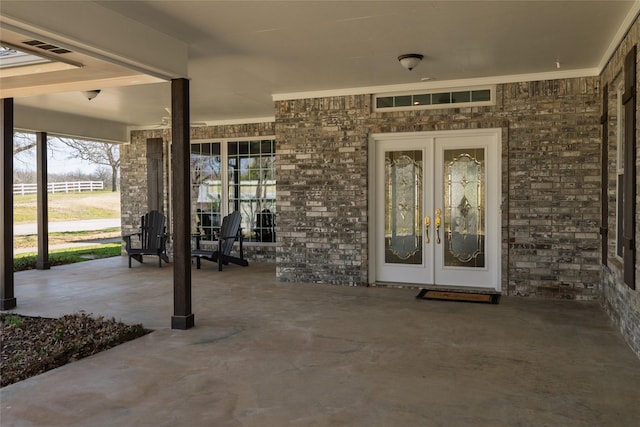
[[242, 54]]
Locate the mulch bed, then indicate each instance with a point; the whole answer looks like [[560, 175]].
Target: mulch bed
[[32, 345]]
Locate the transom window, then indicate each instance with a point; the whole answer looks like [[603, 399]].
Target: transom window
[[228, 176], [441, 98]]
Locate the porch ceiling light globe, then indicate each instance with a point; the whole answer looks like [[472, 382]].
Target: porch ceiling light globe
[[410, 60], [90, 94]]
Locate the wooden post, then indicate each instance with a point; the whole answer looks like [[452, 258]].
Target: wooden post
[[155, 189], [7, 298], [182, 318], [43, 203]]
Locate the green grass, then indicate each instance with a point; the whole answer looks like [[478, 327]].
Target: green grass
[[66, 207], [27, 261], [31, 240]]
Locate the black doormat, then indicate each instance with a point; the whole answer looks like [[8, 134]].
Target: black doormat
[[464, 296]]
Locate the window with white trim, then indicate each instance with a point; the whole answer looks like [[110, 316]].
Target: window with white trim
[[437, 98], [619, 171], [234, 175]]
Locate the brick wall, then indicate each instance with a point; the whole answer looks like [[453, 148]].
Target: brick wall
[[620, 301], [550, 184], [134, 174], [550, 152], [321, 170], [133, 177], [553, 178]]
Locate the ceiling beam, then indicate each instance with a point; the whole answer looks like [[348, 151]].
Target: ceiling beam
[[29, 119]]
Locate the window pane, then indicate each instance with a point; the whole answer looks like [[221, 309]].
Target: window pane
[[403, 207], [457, 97], [481, 95], [252, 187], [232, 148], [250, 182], [403, 101], [422, 99], [464, 208], [619, 218], [385, 102], [441, 98], [620, 172], [206, 188]]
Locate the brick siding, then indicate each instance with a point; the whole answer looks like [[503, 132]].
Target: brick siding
[[550, 150], [620, 301], [550, 186]]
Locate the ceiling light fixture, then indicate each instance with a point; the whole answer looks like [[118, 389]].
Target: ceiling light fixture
[[90, 94], [410, 60]]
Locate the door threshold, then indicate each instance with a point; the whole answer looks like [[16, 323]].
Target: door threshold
[[397, 285], [442, 288]]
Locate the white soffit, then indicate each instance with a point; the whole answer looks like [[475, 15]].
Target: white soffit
[[564, 74], [619, 36], [113, 39], [245, 55]]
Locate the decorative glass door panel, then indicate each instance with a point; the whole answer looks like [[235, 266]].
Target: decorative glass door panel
[[437, 215], [464, 208], [403, 207]]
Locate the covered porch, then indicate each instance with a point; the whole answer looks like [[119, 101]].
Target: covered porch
[[267, 353]]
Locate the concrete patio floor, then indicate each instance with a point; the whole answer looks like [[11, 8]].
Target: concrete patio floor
[[265, 353]]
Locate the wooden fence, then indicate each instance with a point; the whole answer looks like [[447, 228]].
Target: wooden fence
[[59, 187]]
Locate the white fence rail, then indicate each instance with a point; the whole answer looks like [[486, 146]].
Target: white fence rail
[[59, 187]]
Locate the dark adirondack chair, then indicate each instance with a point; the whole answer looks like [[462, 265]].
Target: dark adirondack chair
[[229, 232], [265, 226], [151, 240]]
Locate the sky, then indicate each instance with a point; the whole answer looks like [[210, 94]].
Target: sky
[[61, 164], [58, 161]]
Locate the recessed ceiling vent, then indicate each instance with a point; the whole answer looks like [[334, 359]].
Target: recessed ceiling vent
[[49, 57], [47, 46]]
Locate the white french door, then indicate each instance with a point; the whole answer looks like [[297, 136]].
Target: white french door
[[437, 208]]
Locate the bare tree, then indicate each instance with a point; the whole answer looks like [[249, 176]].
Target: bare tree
[[23, 142], [100, 153], [23, 147], [23, 176], [102, 173]]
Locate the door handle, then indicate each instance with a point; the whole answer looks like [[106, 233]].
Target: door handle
[[438, 224], [427, 224]]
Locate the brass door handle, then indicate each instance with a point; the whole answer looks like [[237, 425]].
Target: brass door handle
[[427, 224], [438, 224]]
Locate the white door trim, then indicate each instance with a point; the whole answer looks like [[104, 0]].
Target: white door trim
[[374, 139]]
